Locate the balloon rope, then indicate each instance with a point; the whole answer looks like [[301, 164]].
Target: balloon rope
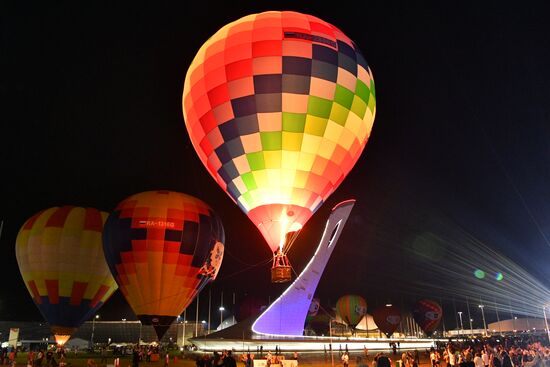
[[226, 251], [261, 263], [291, 241]]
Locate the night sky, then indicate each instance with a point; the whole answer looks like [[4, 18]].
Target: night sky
[[91, 113]]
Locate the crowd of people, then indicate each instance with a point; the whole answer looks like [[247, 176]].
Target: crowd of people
[[478, 354], [505, 352], [224, 359]]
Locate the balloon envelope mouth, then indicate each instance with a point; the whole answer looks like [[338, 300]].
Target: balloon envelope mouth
[[62, 333], [275, 221], [161, 324]]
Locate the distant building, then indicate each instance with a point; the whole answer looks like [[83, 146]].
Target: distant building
[[36, 333]]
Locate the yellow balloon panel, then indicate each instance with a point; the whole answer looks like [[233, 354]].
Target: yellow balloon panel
[[60, 257]]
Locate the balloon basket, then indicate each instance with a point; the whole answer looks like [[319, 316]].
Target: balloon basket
[[281, 271]]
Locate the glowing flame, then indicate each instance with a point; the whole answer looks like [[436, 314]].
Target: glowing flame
[[283, 223], [61, 339]]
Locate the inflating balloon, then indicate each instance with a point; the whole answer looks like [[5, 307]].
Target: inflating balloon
[[427, 314], [279, 107], [162, 247], [351, 308], [60, 257], [387, 318]]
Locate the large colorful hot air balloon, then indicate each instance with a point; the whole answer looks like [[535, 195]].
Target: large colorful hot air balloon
[[387, 318], [427, 314], [162, 247], [60, 257], [351, 308], [279, 107]]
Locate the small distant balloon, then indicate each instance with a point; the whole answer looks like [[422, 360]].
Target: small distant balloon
[[499, 276], [479, 274]]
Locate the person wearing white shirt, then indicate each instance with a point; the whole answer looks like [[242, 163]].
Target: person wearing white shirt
[[485, 358], [478, 361]]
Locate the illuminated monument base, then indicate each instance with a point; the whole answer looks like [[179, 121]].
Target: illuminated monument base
[[281, 325]]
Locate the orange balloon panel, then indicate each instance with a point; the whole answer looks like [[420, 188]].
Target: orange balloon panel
[[163, 247], [279, 107], [60, 257]]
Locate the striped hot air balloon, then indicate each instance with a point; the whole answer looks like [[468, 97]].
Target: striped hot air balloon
[[351, 308], [279, 107], [162, 247], [60, 257]]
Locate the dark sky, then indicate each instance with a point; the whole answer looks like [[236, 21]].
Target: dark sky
[[91, 113]]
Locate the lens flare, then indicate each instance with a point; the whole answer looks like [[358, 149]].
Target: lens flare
[[479, 274], [499, 276]]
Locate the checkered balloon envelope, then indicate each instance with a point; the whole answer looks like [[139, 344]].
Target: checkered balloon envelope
[[279, 107]]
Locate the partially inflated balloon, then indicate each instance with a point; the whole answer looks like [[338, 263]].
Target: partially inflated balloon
[[279, 107], [163, 247], [60, 257], [387, 318], [351, 308], [427, 314]]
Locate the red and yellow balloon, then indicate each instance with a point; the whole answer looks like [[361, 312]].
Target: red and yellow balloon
[[60, 256], [427, 313], [279, 107], [387, 318]]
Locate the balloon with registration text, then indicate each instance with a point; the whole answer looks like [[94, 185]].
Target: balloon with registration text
[[162, 247], [279, 107]]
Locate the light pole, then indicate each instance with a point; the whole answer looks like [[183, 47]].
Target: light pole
[[546, 320], [331, 351], [461, 326], [93, 330], [184, 322], [483, 316], [221, 316]]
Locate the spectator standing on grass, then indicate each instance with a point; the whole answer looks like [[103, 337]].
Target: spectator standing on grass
[[478, 361], [383, 360], [135, 357], [39, 358], [30, 358], [11, 357], [345, 359], [229, 361], [485, 357]]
